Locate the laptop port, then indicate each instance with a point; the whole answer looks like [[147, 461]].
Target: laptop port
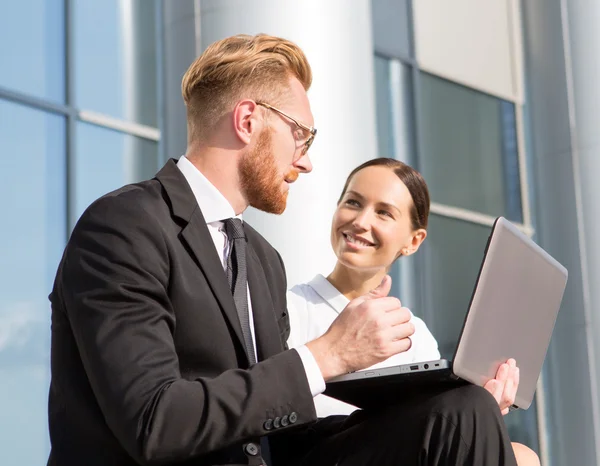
[[426, 366], [414, 368]]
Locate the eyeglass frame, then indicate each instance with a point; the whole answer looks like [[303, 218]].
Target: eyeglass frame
[[311, 129]]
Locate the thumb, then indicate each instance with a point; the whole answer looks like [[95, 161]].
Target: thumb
[[382, 290]]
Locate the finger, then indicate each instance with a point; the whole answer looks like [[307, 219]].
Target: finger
[[502, 373], [512, 387], [401, 346], [399, 332], [397, 317], [382, 290], [508, 395], [495, 389], [385, 304]]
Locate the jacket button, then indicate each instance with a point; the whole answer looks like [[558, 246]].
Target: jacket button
[[277, 423], [251, 449], [293, 418], [285, 421], [268, 425]]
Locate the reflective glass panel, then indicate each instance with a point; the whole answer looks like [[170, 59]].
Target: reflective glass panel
[[469, 148], [106, 160], [391, 27], [32, 238], [115, 58], [32, 48]]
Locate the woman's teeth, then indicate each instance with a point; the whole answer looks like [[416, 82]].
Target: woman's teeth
[[357, 241]]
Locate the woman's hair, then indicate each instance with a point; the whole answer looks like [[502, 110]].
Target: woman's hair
[[254, 67], [412, 179]]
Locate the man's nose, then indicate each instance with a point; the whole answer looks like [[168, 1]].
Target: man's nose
[[303, 164]]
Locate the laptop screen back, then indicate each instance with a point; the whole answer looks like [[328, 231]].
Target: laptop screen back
[[513, 311]]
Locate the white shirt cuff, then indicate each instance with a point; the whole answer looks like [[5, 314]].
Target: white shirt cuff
[[313, 373]]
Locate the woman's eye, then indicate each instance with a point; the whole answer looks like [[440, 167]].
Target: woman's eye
[[386, 213], [353, 203]]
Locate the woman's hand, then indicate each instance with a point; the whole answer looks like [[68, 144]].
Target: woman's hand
[[504, 387]]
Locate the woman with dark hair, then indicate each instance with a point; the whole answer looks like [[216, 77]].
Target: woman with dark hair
[[381, 215]]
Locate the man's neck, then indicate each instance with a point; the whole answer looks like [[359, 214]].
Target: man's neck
[[220, 167]]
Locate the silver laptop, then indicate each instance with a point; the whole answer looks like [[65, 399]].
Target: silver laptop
[[512, 313]]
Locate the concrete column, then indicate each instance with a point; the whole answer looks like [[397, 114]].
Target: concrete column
[[336, 37]]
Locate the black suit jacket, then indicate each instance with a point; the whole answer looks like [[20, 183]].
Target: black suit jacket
[[148, 361]]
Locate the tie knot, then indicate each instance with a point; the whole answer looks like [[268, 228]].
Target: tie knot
[[234, 228]]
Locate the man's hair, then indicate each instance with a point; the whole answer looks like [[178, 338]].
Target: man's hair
[[412, 179], [254, 67]]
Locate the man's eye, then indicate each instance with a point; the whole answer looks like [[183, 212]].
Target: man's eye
[[299, 135]]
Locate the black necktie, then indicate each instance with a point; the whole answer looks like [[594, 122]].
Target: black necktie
[[238, 279]]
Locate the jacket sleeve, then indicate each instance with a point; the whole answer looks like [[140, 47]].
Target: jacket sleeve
[[113, 286]]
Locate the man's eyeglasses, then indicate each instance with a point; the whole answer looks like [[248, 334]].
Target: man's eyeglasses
[[307, 129]]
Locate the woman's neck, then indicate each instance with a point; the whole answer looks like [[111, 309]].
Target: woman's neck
[[353, 283]]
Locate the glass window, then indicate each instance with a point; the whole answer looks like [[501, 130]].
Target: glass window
[[32, 48], [115, 58], [469, 148], [391, 28], [106, 160], [32, 238], [453, 253]]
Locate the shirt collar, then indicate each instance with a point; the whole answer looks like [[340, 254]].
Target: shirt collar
[[329, 293], [212, 203]]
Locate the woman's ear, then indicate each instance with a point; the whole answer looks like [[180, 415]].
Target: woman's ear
[[416, 241]]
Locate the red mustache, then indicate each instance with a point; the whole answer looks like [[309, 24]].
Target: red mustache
[[292, 175]]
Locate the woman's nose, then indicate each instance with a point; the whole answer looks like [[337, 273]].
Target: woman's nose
[[361, 220]]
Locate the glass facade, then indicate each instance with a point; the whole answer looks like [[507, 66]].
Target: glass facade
[[464, 142], [61, 61], [106, 160], [32, 44], [469, 148], [33, 234], [115, 58]]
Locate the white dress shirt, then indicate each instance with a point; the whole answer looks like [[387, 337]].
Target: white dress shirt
[[313, 307], [215, 208]]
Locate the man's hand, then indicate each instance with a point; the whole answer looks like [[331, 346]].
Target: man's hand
[[504, 386], [369, 330]]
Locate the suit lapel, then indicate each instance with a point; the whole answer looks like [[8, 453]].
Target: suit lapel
[[196, 237], [268, 340], [202, 248]]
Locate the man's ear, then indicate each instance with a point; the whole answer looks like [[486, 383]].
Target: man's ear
[[247, 120]]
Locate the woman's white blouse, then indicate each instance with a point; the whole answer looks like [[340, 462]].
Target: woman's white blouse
[[313, 307]]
